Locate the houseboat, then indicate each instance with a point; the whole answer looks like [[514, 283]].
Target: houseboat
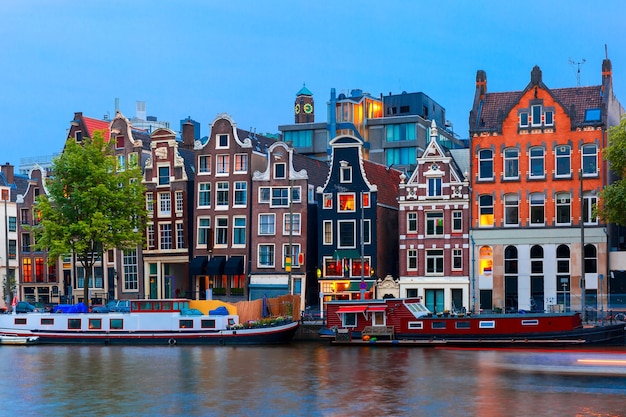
[[408, 322], [149, 322]]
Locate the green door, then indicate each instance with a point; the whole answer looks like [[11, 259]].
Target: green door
[[434, 300]]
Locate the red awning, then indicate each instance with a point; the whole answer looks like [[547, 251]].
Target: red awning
[[352, 309], [376, 308]]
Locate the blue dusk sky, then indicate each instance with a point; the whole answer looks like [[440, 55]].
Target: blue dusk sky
[[200, 58]]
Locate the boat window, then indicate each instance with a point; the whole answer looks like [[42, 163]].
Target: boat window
[[530, 322], [348, 320], [487, 324], [231, 321], [438, 324], [47, 322], [208, 324], [176, 307], [167, 306], [116, 324], [95, 324], [146, 305], [20, 321], [419, 325], [74, 324], [156, 306], [378, 318], [462, 324], [185, 324], [134, 306]]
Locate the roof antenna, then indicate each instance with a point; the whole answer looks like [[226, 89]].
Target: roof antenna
[[578, 64]]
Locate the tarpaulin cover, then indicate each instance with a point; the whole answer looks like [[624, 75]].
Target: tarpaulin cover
[[71, 308], [220, 311]]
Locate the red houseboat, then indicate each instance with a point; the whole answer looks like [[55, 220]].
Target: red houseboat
[[408, 322]]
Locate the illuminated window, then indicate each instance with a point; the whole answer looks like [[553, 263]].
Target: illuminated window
[[485, 211], [485, 261], [27, 270], [241, 163], [346, 202], [366, 200], [328, 232], [204, 164], [328, 201]]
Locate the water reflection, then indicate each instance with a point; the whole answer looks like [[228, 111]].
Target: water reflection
[[307, 380]]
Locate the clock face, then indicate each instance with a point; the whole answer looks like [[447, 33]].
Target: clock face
[[308, 108], [297, 108]]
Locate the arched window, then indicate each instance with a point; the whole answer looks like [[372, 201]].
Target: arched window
[[511, 295], [591, 259], [563, 284]]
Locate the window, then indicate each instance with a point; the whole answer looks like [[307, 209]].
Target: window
[[164, 175], [411, 222], [434, 262], [165, 204], [279, 171], [264, 194], [241, 163], [241, 193], [563, 164], [536, 162], [346, 174], [591, 259], [149, 203], [266, 256], [367, 231], [536, 115], [563, 275], [400, 156], [411, 260], [485, 211], [400, 132], [222, 141], [27, 270], [204, 164], [12, 224], [223, 162], [511, 210], [537, 201], [267, 224], [239, 230], [434, 223], [590, 160], [589, 203], [563, 208], [523, 119], [204, 225], [348, 320], [485, 164], [457, 221], [289, 227], [221, 231], [295, 250], [280, 197], [328, 201], [25, 242], [457, 259], [131, 280], [150, 237], [221, 198], [296, 194], [511, 163], [365, 200], [548, 116], [179, 201], [180, 236], [346, 202], [328, 232], [121, 163], [434, 187], [133, 160], [39, 270], [165, 236], [347, 234], [12, 249]]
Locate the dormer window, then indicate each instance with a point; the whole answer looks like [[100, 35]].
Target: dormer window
[[536, 115], [523, 119], [279, 171], [222, 141], [79, 136], [346, 174], [548, 118]]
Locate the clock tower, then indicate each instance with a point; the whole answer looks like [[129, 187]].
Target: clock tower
[[304, 109]]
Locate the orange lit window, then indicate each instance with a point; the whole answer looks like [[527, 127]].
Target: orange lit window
[[27, 270], [366, 200], [328, 201], [486, 261], [346, 202]]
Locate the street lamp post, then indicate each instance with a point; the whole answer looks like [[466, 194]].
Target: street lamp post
[[582, 247], [7, 284]]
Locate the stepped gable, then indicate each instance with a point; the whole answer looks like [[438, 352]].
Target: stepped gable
[[387, 181]]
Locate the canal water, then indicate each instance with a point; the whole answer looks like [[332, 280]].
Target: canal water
[[309, 379]]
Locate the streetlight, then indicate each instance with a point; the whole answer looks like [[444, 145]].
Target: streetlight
[[7, 284]]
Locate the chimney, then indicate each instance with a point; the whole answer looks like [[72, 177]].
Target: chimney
[[607, 75], [8, 170], [535, 75], [481, 83], [188, 135]]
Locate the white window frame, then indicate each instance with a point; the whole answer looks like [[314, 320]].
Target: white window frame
[[239, 227], [222, 165], [220, 228], [563, 201], [432, 217], [535, 204], [327, 231], [272, 255], [204, 168], [238, 191], [345, 175], [349, 210], [485, 156], [411, 222], [204, 194], [587, 156], [457, 255], [180, 235], [163, 180], [165, 236], [222, 141], [297, 224], [510, 160], [165, 204], [437, 256], [511, 201], [241, 163], [295, 250], [178, 195], [563, 153], [150, 203], [457, 220], [203, 230], [535, 158], [271, 217], [222, 195], [412, 256], [354, 235]]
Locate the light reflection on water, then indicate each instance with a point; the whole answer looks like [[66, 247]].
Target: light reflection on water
[[300, 379]]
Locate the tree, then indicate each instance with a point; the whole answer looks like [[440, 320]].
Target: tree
[[613, 196], [90, 207]]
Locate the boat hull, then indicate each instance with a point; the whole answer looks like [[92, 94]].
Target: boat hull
[[15, 340]]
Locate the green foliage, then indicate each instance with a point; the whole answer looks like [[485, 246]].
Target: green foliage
[[89, 207], [613, 197]]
